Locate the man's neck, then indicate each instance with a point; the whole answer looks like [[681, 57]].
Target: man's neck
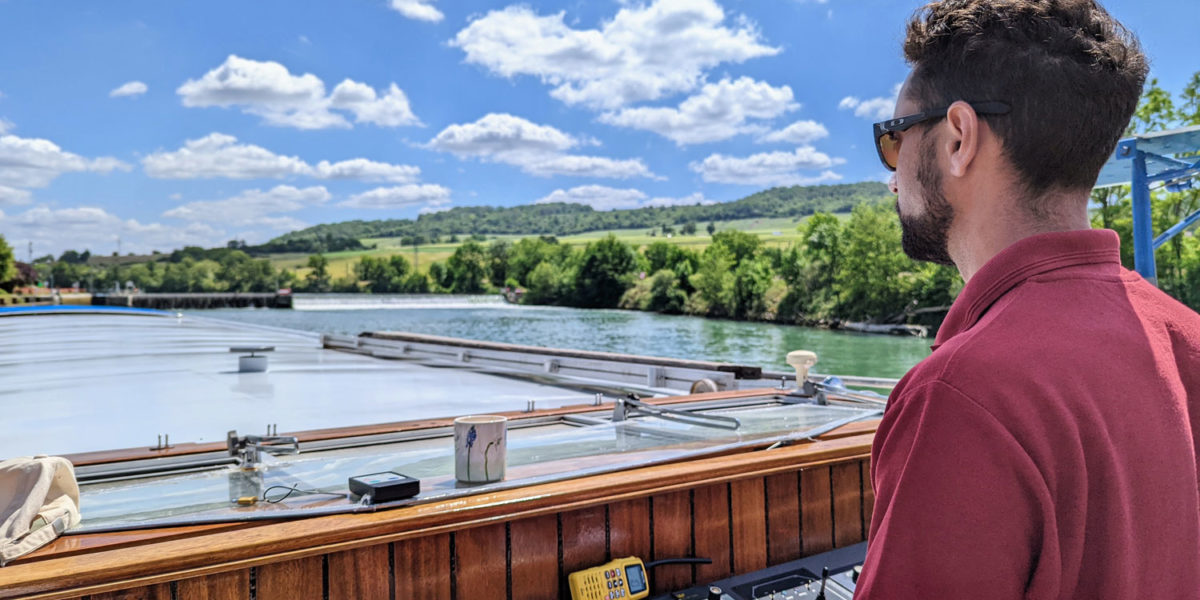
[[980, 234]]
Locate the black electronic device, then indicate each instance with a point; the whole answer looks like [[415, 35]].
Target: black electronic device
[[384, 487], [828, 576]]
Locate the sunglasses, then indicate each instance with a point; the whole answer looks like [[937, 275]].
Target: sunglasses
[[887, 143]]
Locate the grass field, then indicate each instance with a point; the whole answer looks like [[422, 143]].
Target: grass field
[[774, 232]]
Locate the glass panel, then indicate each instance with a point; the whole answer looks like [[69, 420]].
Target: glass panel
[[535, 455]]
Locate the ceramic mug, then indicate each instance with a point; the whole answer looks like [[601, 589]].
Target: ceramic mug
[[480, 448]]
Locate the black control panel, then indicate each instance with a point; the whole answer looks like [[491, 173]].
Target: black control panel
[[837, 570]]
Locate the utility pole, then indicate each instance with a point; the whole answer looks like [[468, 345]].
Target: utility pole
[[416, 257], [118, 245], [31, 252]]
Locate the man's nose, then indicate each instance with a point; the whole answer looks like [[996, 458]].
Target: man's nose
[[891, 183]]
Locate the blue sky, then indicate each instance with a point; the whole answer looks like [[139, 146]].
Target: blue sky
[[167, 124]]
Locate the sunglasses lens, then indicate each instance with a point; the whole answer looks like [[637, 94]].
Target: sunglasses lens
[[889, 149]]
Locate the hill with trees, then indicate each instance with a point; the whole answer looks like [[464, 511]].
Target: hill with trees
[[566, 219]]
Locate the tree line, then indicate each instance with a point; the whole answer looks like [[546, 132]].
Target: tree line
[[567, 219]]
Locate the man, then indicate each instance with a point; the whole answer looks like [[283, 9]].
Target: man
[[1047, 448]]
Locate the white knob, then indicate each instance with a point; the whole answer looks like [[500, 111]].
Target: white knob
[[802, 361]]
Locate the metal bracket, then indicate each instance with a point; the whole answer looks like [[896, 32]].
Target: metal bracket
[[248, 449], [632, 406]]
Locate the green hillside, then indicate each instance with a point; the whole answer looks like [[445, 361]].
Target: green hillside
[[568, 219]]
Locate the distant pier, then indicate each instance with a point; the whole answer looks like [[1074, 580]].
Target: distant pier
[[193, 301]]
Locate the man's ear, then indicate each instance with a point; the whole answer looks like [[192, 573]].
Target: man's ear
[[963, 142]]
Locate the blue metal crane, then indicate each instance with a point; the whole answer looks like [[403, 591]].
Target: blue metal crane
[[1172, 157]]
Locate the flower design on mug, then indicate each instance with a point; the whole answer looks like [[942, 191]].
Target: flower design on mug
[[471, 435]]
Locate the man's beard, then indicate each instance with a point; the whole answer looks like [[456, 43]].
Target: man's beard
[[926, 237]]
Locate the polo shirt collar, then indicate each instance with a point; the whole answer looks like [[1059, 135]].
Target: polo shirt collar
[[1020, 261]]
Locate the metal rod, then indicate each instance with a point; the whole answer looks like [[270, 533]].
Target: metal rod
[[1143, 225]]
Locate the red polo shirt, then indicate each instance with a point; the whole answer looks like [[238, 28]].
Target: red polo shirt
[[1047, 448]]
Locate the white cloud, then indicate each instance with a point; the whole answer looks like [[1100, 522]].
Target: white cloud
[[132, 88], [598, 197], [5, 126], [768, 168], [536, 149], [53, 230], [267, 89], [645, 52], [500, 134], [219, 155], [402, 196], [34, 163], [421, 10], [254, 208], [717, 112], [12, 196], [362, 169], [875, 109], [799, 133], [389, 110], [587, 166]]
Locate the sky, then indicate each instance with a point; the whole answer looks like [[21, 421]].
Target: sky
[[145, 125]]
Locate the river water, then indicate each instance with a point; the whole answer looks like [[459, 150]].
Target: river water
[[630, 332]]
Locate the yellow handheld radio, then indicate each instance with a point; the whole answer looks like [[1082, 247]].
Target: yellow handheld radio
[[621, 578]]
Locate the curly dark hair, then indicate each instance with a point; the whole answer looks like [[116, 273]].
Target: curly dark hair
[[1071, 72]]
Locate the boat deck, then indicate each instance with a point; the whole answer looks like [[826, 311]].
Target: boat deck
[[79, 382]]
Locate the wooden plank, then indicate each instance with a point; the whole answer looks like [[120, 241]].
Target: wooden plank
[[672, 535], [712, 531], [534, 562], [584, 541], [783, 518], [234, 585], [68, 545], [868, 495], [584, 538], [161, 591], [629, 528], [847, 504], [423, 567], [481, 564], [300, 579], [816, 511], [746, 498], [359, 573]]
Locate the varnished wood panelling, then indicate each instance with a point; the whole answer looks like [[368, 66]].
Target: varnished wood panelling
[[299, 579], [153, 592], [783, 518], [629, 528], [480, 570], [422, 568], [746, 496], [710, 507], [234, 585], [585, 538], [672, 531], [534, 549], [361, 573], [868, 495], [816, 511], [847, 504]]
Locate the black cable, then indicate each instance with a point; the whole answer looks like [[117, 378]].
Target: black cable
[[679, 561], [294, 489]]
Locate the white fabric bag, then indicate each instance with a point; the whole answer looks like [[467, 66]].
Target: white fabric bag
[[39, 499]]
